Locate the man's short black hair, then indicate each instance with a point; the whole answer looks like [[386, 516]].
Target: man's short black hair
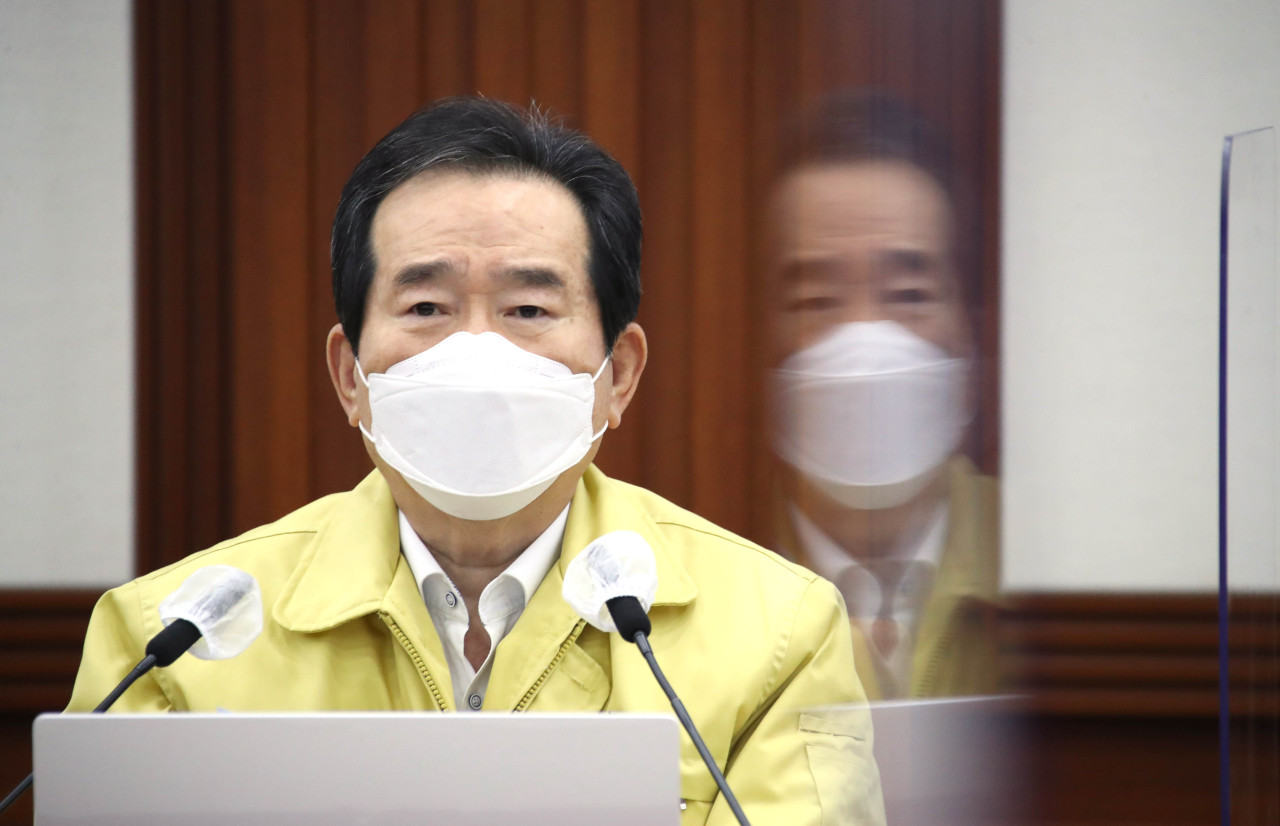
[[869, 125], [854, 125], [484, 137]]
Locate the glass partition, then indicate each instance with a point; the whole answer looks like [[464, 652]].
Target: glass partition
[[1249, 580]]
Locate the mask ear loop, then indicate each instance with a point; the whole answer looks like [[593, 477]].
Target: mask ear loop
[[365, 382], [600, 372], [594, 378]]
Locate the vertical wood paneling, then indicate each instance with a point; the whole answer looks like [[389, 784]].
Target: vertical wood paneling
[[448, 62], [557, 73], [180, 292], [393, 59], [661, 409], [260, 111], [611, 115], [776, 35], [814, 27], [718, 355], [340, 137], [989, 35], [367, 74], [271, 355], [893, 36], [611, 78], [502, 50]]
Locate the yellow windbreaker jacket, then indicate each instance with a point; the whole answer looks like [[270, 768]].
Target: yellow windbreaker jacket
[[956, 646], [751, 642]]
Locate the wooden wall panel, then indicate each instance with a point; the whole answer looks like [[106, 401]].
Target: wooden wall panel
[[271, 355], [689, 96], [558, 45], [448, 35], [610, 113], [666, 311], [502, 53], [719, 445], [182, 330], [40, 640]]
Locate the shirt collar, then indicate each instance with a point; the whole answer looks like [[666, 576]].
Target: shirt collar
[[354, 566], [527, 570], [832, 562]]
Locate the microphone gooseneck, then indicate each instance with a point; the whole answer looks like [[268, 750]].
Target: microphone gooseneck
[[624, 610], [611, 585]]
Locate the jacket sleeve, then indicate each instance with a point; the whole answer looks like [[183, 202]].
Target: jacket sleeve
[[802, 761], [113, 645]]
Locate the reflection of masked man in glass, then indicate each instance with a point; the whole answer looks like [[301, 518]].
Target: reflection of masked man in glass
[[872, 395]]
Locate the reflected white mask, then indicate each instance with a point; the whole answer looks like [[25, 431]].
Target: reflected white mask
[[870, 413], [478, 426]]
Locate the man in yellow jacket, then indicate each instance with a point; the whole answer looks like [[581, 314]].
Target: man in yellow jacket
[[486, 277], [873, 392]]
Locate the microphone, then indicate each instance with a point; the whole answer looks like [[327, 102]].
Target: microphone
[[224, 606], [215, 613], [611, 585]]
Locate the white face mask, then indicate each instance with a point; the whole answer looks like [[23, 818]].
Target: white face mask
[[870, 413], [478, 426]]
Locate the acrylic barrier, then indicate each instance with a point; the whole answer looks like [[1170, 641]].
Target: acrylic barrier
[[1249, 596]]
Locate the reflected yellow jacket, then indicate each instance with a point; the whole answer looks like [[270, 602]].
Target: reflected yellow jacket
[[956, 646], [747, 639]]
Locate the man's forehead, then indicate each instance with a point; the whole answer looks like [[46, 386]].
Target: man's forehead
[[506, 211], [862, 198]]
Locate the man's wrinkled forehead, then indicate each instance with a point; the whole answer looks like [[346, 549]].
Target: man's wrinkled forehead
[[504, 189], [825, 205]]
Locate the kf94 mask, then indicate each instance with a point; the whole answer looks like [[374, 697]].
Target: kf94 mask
[[479, 427], [870, 413]]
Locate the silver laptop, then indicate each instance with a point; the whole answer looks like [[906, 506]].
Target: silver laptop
[[339, 769], [951, 761]]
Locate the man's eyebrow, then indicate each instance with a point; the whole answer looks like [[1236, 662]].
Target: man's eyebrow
[[534, 277], [415, 274], [809, 268], [911, 259]]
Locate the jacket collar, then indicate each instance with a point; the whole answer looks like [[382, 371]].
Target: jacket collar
[[350, 565], [970, 565], [348, 569], [602, 505]]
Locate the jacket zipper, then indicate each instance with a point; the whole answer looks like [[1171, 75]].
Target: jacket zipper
[[417, 660], [523, 705]]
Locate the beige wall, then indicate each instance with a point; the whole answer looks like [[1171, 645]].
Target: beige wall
[[1114, 117], [66, 270]]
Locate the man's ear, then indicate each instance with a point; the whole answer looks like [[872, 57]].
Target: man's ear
[[342, 371], [630, 352]]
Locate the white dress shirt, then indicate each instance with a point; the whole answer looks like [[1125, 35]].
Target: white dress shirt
[[501, 603], [864, 592]]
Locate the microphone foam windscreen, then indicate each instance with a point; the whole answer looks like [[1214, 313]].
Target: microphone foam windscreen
[[224, 603], [618, 564]]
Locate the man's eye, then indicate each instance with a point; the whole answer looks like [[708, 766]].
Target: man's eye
[[529, 311], [813, 303], [425, 308], [909, 295]]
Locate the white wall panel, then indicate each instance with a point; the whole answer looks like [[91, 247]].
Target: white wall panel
[[66, 293], [1114, 116]]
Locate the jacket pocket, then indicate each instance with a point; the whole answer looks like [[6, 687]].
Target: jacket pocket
[[577, 683], [838, 747]]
